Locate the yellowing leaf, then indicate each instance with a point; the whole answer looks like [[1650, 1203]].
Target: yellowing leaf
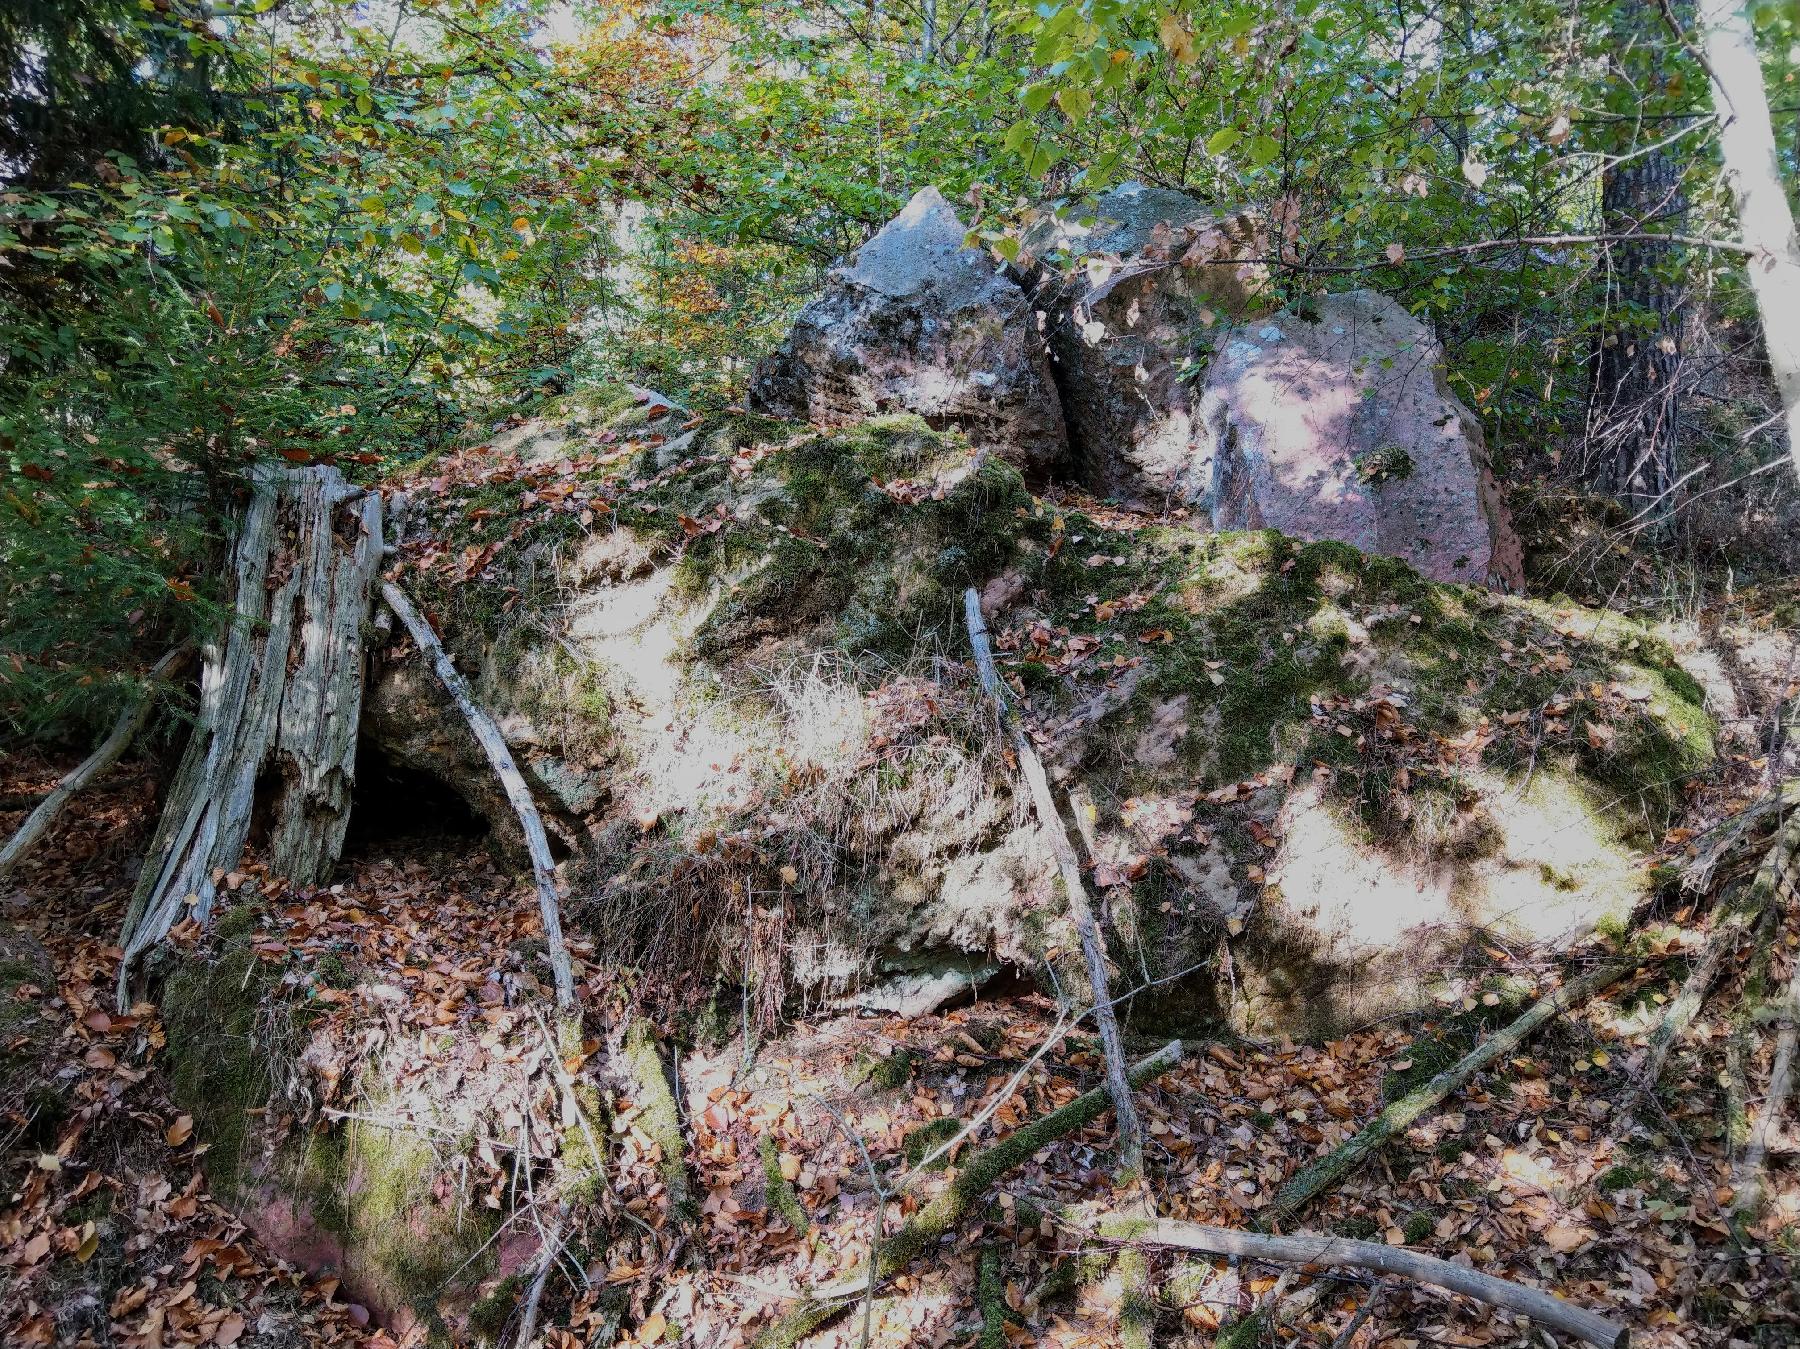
[[1176, 38], [1074, 101]]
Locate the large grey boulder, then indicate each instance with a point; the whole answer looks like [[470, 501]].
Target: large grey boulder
[[1132, 292], [1340, 425], [917, 322]]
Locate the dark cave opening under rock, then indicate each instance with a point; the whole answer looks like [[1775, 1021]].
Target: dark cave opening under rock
[[397, 808]]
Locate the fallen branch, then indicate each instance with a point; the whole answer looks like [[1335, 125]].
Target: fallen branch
[[553, 1247], [493, 744], [779, 1194], [955, 1201], [1332, 1167], [990, 1297], [1725, 839], [110, 751], [1340, 1252], [1747, 1177], [1738, 919], [1131, 1143]]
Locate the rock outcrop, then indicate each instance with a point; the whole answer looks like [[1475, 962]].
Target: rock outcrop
[[748, 672], [1339, 425], [1174, 383], [917, 322], [1131, 295]]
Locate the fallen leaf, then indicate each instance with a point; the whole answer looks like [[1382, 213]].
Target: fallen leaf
[[1566, 1237]]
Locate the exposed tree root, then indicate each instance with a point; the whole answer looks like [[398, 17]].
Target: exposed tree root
[[110, 750], [1093, 952], [1331, 1168], [494, 745], [1339, 1252], [956, 1200]]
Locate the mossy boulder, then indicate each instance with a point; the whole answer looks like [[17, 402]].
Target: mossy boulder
[[1343, 772], [367, 1198], [1311, 773]]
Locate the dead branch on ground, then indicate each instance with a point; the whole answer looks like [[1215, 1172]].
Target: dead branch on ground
[[1331, 1252], [1331, 1168], [110, 751], [500, 758], [1131, 1144], [954, 1202]]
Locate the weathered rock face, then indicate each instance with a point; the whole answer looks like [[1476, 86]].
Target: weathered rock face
[[1130, 298], [1340, 426], [916, 322], [1311, 766]]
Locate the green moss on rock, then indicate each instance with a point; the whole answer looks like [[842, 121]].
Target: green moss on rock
[[220, 1020], [377, 1189]]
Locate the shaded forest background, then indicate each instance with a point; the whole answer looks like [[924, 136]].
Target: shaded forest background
[[351, 234]]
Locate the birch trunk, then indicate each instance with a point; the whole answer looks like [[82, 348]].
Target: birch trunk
[[1766, 222], [280, 699]]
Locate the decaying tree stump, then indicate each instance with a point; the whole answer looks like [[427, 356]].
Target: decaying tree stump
[[280, 696]]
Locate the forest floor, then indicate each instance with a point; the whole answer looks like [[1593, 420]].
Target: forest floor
[[109, 1236]]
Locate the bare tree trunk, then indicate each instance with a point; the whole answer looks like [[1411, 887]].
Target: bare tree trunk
[[124, 731], [280, 698], [1765, 220], [493, 744]]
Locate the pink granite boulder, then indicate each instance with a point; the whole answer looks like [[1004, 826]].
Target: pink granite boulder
[[1340, 425]]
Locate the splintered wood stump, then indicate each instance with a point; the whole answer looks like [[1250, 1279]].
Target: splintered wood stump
[[280, 697]]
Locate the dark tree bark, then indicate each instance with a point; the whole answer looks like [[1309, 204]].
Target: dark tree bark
[[1633, 413], [1633, 427]]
